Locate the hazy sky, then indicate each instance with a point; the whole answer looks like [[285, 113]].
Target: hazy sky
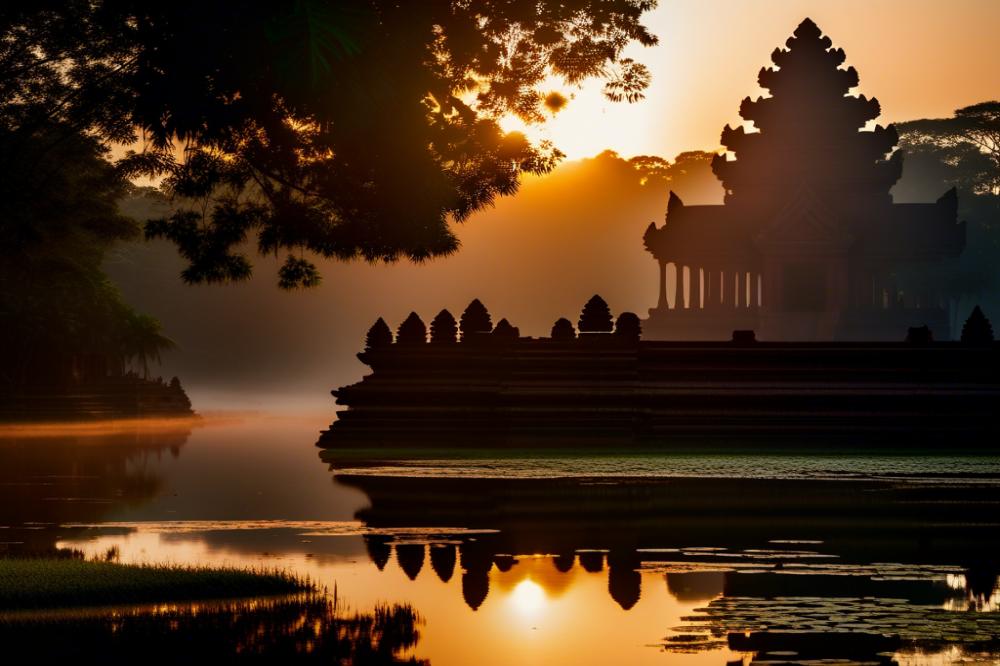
[[920, 58], [539, 255]]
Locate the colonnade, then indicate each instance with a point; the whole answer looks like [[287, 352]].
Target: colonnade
[[697, 288]]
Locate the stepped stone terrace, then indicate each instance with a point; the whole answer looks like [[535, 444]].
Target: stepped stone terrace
[[604, 384]]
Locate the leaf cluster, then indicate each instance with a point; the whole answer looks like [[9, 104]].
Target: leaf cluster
[[315, 127]]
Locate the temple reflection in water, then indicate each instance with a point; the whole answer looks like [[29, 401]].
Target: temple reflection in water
[[900, 562]]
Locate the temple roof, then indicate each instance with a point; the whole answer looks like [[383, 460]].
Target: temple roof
[[809, 179], [736, 235]]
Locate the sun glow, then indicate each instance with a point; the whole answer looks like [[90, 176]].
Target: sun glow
[[528, 597]]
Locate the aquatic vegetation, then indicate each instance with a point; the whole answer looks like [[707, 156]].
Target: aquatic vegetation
[[303, 629], [70, 582]]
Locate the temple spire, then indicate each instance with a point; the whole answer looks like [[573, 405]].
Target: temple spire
[[809, 130]]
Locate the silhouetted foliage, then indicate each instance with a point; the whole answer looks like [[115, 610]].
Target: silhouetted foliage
[[563, 330], [595, 317], [919, 335], [475, 319], [143, 340], [344, 129], [286, 631], [628, 326], [505, 331], [412, 331], [379, 335], [977, 329], [962, 151], [969, 141], [443, 328], [59, 217], [744, 337], [690, 172]]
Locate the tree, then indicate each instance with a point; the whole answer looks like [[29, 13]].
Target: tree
[[58, 218], [563, 330], [595, 317], [628, 326], [443, 328], [315, 127], [412, 331], [144, 341], [977, 329], [475, 319], [970, 138], [505, 331], [960, 152], [379, 335]]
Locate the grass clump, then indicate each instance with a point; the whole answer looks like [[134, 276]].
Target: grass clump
[[67, 582]]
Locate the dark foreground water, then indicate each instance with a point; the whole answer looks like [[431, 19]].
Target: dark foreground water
[[524, 558]]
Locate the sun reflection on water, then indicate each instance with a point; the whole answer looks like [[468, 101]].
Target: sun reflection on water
[[528, 598]]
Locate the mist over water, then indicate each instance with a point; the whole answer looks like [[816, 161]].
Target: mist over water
[[534, 258]]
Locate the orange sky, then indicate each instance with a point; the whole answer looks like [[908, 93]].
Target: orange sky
[[920, 58]]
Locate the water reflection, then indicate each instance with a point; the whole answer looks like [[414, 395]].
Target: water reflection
[[309, 629], [588, 570], [834, 570], [54, 475]]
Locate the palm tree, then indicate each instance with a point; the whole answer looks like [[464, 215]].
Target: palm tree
[[144, 341]]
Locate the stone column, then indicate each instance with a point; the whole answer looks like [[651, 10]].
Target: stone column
[[678, 286], [686, 288], [662, 304]]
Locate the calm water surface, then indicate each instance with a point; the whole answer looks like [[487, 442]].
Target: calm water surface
[[546, 559]]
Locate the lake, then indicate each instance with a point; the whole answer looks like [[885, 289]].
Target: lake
[[545, 558]]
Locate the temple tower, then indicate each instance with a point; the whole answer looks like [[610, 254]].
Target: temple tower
[[808, 240]]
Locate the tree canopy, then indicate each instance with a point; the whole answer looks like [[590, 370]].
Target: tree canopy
[[962, 151], [968, 142], [314, 127], [58, 218]]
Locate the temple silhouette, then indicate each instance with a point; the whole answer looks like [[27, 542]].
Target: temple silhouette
[[785, 324], [602, 384], [808, 240]]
